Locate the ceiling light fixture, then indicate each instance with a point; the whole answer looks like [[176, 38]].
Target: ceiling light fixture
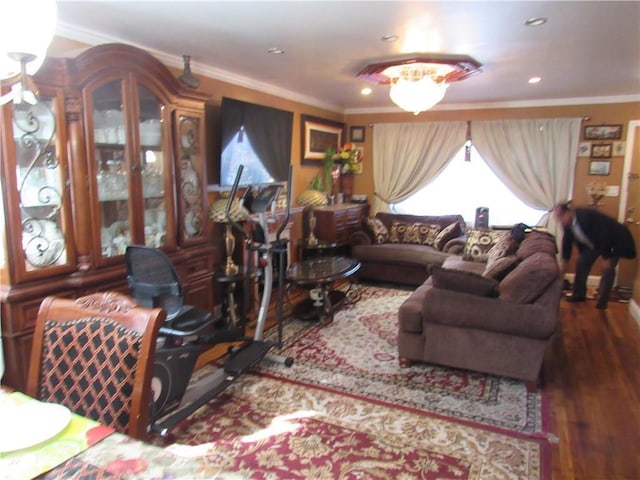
[[24, 40], [276, 51], [535, 80], [535, 21], [419, 83], [390, 37]]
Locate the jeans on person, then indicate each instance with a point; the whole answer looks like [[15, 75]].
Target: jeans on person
[[585, 261]]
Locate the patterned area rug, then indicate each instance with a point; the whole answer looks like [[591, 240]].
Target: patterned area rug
[[265, 428], [357, 354]]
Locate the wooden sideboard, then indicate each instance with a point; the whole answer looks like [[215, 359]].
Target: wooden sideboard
[[334, 223]]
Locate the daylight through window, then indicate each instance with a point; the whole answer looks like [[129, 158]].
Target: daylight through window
[[464, 186]]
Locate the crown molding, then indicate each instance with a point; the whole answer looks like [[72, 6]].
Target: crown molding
[[552, 102], [175, 61], [93, 38]]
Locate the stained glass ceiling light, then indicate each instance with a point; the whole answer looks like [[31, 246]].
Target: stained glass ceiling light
[[419, 83]]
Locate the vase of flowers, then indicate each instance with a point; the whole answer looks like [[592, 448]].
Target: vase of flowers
[[351, 160], [596, 191]]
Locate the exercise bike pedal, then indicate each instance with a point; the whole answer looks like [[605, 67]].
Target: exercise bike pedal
[[246, 357]]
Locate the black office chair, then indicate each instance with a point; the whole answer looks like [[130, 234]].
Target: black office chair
[[154, 282]]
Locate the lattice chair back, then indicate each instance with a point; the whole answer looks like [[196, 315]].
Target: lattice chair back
[[95, 356]]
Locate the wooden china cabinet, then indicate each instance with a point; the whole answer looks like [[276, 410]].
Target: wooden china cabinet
[[112, 155]]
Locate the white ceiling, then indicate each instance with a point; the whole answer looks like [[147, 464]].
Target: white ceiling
[[586, 52]]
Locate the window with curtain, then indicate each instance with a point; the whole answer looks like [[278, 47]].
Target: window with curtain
[[464, 186], [257, 137]]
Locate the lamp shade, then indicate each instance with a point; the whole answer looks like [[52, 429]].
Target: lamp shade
[[312, 198], [218, 210], [26, 28]]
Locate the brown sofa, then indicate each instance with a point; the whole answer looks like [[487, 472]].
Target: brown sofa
[[395, 260], [461, 318]]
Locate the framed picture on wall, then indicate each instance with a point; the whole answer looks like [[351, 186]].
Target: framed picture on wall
[[603, 132], [599, 167], [618, 149], [357, 135], [317, 135], [584, 149], [602, 150]]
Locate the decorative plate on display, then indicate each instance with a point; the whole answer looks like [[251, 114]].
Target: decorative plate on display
[[27, 424]]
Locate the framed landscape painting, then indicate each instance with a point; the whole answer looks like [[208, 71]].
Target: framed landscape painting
[[603, 132], [597, 167], [317, 135]]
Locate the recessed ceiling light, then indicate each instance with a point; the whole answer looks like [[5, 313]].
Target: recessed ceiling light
[[276, 51], [389, 38], [535, 80], [535, 21], [366, 91]]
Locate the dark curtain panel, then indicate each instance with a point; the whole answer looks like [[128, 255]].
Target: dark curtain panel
[[269, 130]]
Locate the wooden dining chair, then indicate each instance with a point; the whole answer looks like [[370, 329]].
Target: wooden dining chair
[[95, 356]]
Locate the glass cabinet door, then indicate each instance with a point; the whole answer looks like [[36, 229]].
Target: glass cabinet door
[[191, 189], [40, 185], [132, 167], [154, 169], [112, 170]]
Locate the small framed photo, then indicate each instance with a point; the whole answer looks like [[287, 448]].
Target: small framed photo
[[584, 149], [356, 135], [603, 132], [601, 150], [618, 149], [599, 167]]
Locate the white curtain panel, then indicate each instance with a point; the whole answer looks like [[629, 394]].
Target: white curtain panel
[[535, 158], [407, 156]]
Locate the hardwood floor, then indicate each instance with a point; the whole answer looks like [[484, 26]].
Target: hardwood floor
[[592, 385]]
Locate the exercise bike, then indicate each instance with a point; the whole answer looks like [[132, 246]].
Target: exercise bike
[[188, 328]]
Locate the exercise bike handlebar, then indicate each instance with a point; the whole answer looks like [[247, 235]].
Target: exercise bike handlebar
[[285, 221], [232, 194]]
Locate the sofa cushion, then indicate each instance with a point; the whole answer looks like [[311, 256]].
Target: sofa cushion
[[501, 259], [463, 281], [447, 233], [442, 220], [377, 229], [455, 262], [536, 242], [530, 278], [500, 267], [399, 253], [417, 233], [505, 245], [479, 242]]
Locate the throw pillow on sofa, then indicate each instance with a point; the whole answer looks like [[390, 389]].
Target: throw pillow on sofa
[[377, 229], [479, 242], [537, 242], [417, 233], [530, 278], [500, 267], [463, 281], [501, 259], [447, 233]]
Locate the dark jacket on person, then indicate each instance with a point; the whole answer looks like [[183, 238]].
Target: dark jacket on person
[[608, 237]]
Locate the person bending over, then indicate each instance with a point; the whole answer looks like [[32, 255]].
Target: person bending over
[[595, 235]]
